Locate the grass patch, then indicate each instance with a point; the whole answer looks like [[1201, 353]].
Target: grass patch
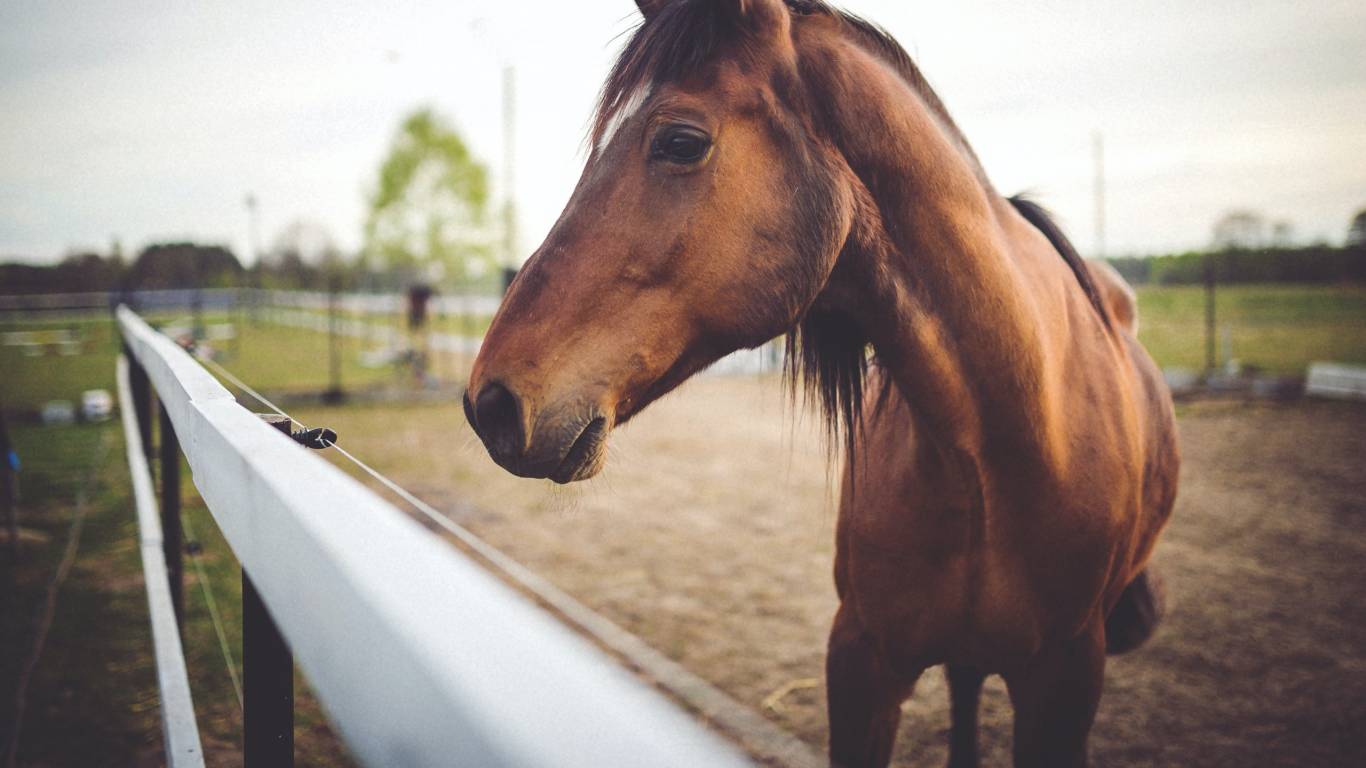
[[95, 676], [93, 697], [1280, 328]]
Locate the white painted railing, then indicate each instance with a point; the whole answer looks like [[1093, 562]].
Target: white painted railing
[[101, 301], [181, 734], [419, 657], [385, 303], [1336, 380]]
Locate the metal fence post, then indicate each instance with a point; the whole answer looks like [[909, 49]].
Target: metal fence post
[[172, 537], [268, 672], [1211, 356], [142, 401], [8, 488]]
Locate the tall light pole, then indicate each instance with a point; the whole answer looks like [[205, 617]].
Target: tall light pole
[[1098, 154], [509, 260], [255, 280]]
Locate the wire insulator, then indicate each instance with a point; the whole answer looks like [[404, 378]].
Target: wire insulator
[[317, 438]]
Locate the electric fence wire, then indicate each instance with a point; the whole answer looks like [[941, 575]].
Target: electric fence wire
[[242, 385], [514, 570], [207, 588]]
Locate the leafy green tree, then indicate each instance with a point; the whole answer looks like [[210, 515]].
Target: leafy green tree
[[428, 214]]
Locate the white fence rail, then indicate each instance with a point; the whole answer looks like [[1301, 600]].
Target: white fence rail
[[178, 727], [419, 657]]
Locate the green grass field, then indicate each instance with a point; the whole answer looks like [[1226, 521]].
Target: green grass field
[[95, 676], [1279, 328]]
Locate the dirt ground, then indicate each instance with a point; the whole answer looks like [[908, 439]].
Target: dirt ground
[[710, 536]]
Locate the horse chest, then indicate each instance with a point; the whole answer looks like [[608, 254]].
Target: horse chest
[[949, 586]]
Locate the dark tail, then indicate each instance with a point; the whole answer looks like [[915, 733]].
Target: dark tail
[[1135, 617], [1038, 216]]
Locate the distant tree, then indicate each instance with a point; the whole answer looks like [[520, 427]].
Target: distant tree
[[1239, 230], [80, 272], [301, 253], [184, 265], [1282, 234], [427, 214], [1356, 233]]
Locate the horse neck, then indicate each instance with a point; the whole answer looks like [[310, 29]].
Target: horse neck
[[930, 271]]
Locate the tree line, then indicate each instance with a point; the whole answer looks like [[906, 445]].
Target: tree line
[[1311, 264], [190, 265], [163, 265], [185, 265]]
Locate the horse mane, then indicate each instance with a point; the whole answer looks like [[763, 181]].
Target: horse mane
[[826, 350], [1038, 216]]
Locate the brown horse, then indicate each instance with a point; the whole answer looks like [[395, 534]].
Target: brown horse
[[759, 168]]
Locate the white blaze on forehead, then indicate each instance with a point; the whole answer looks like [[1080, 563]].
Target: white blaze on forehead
[[628, 110]]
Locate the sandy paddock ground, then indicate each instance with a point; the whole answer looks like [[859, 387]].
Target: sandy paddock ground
[[710, 535]]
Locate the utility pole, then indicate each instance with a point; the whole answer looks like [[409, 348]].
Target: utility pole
[[1098, 153], [1211, 324], [9, 492], [509, 259], [255, 281], [332, 267]]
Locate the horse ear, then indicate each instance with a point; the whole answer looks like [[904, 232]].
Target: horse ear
[[648, 8], [762, 17]]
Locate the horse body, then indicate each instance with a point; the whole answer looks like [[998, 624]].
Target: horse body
[[1015, 479], [760, 168]]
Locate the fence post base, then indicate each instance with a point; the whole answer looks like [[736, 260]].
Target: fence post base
[[268, 675], [268, 672]]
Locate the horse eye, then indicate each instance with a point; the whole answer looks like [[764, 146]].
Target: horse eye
[[681, 145]]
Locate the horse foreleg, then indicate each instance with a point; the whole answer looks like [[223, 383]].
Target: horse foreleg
[[965, 690], [863, 696], [1055, 696]]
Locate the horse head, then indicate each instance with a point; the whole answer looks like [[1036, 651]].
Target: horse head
[[709, 216]]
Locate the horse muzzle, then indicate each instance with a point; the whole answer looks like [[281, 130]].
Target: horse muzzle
[[564, 443]]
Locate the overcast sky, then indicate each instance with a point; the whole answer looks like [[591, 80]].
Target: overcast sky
[[146, 121]]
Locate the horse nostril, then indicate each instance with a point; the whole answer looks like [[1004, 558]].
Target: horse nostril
[[498, 420], [469, 411]]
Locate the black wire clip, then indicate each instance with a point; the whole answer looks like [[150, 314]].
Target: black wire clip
[[317, 438]]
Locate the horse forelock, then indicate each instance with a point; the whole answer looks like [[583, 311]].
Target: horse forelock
[[684, 35]]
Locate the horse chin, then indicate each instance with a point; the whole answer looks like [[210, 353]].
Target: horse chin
[[587, 455]]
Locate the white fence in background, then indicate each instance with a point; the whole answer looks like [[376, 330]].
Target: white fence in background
[[419, 656], [1336, 380], [102, 301], [227, 298], [385, 303], [385, 335], [303, 309]]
